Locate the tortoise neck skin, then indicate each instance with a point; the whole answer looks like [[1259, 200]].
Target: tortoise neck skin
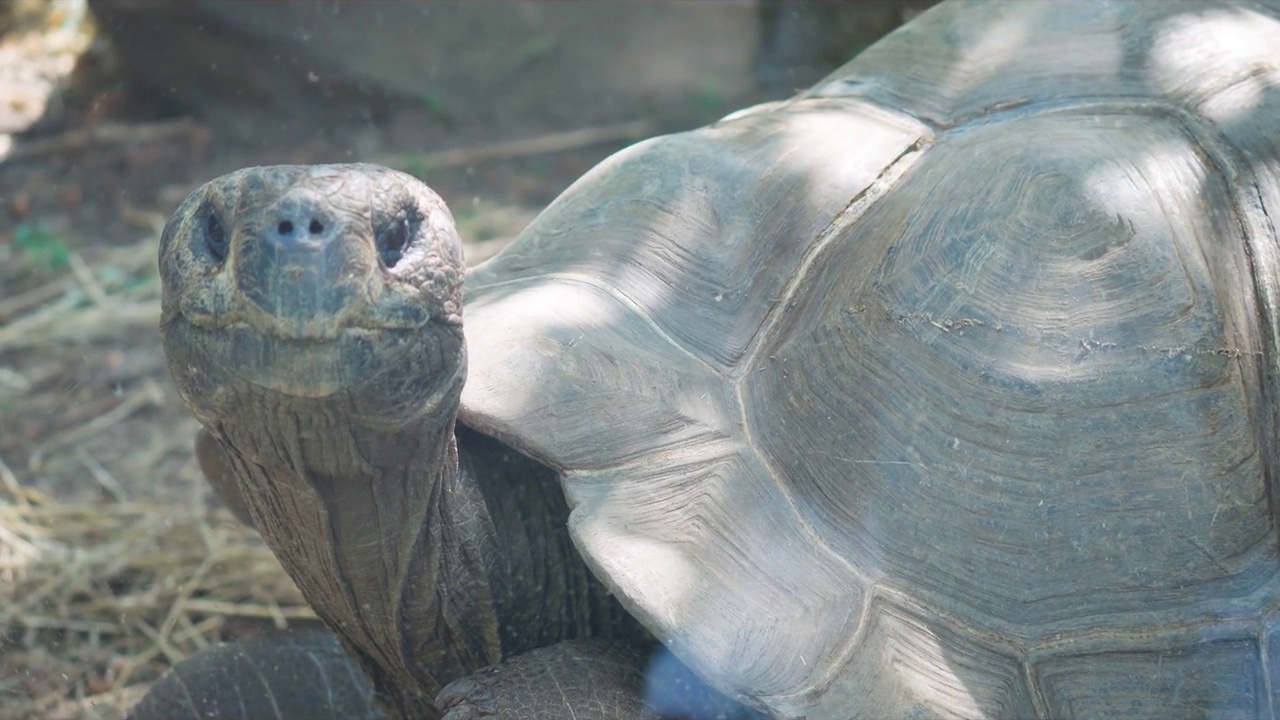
[[389, 541], [311, 318]]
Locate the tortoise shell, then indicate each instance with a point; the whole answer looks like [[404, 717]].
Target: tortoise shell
[[946, 388]]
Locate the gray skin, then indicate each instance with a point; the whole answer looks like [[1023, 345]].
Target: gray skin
[[312, 322]]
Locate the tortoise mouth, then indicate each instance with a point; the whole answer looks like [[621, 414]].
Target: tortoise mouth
[[317, 330], [223, 310], [388, 370]]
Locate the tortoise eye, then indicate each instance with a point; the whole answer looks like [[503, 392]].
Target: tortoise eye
[[394, 237], [215, 235]]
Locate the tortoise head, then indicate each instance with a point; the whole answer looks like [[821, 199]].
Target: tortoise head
[[314, 283]]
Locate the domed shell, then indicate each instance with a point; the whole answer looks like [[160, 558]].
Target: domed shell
[[945, 389]]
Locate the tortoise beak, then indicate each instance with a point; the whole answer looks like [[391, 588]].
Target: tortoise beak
[[301, 266]]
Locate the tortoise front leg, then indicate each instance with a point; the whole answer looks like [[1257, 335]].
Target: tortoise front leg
[[591, 679], [285, 676]]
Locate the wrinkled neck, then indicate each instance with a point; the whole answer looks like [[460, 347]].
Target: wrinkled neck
[[544, 591], [388, 541]]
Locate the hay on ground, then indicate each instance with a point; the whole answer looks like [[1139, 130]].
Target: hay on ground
[[104, 589]]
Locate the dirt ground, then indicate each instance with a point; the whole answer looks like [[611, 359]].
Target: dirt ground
[[114, 559]]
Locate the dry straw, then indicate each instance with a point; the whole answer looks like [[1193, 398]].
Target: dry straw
[[98, 597]]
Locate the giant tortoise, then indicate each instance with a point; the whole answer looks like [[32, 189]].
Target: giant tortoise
[[947, 388]]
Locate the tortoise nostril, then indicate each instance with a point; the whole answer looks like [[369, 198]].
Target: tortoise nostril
[[316, 227], [285, 227]]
